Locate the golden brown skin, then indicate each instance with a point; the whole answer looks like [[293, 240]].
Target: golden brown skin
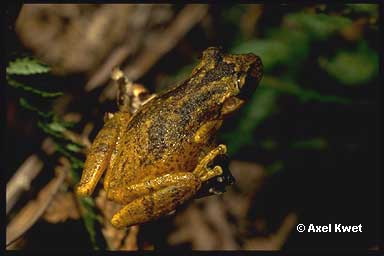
[[159, 157]]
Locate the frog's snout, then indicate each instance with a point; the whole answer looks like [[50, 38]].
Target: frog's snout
[[253, 77], [256, 67]]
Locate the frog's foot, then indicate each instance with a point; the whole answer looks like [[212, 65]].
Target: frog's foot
[[156, 198], [203, 169]]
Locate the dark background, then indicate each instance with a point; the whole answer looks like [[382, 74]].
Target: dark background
[[321, 157]]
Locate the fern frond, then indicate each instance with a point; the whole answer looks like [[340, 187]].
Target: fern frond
[[25, 104], [27, 88], [26, 66], [90, 218]]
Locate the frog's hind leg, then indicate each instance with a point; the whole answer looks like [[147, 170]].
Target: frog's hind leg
[[159, 196], [156, 197], [99, 155]]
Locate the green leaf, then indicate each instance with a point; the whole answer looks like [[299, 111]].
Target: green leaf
[[26, 66], [25, 104], [47, 129], [88, 201], [56, 127], [275, 167], [89, 218], [277, 49], [286, 85], [26, 88], [371, 9], [313, 143], [352, 68], [268, 144], [73, 147], [290, 37], [76, 163], [319, 26], [271, 52]]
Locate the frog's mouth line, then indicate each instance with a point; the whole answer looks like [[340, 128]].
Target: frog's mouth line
[[231, 105]]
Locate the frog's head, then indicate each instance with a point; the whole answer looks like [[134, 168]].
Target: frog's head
[[237, 75]]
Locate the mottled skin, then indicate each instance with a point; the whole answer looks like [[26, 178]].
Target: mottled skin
[[159, 157]]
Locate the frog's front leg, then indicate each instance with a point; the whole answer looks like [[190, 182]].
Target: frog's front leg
[[203, 170], [159, 196], [99, 155]]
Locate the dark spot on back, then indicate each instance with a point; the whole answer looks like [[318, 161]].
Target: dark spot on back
[[222, 69], [148, 204], [156, 137]]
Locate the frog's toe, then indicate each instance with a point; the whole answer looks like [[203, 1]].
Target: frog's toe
[[83, 190], [117, 222], [222, 149], [215, 192], [210, 173]]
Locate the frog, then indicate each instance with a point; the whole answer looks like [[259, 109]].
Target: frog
[[158, 157]]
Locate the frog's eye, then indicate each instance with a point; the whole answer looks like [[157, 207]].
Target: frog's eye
[[248, 86]]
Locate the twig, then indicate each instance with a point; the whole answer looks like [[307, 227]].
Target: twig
[[101, 75], [275, 241], [112, 236], [132, 42], [184, 21], [22, 179], [81, 139], [63, 206], [24, 220], [216, 215], [161, 44], [213, 230], [283, 232], [194, 229], [130, 242]]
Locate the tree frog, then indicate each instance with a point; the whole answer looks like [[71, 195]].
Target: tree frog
[[158, 157]]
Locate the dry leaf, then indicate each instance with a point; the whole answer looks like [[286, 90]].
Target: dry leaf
[[274, 241], [62, 207], [35, 208], [112, 235]]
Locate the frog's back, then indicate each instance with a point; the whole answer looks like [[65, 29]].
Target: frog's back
[[158, 140]]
